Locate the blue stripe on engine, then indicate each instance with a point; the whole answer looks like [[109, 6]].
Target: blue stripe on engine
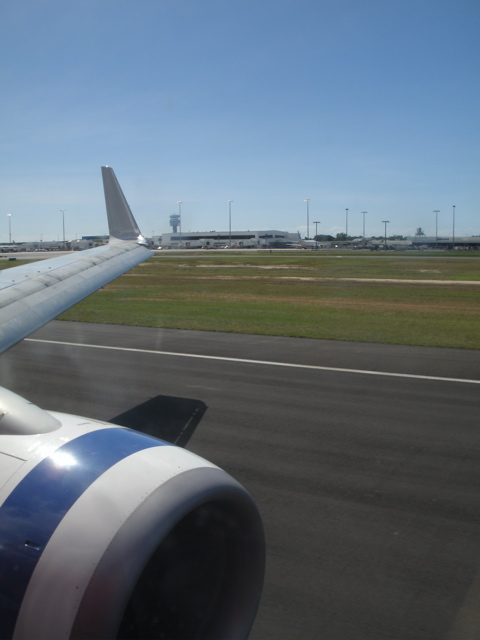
[[37, 505]]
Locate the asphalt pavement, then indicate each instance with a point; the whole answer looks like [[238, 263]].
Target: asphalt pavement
[[363, 459]]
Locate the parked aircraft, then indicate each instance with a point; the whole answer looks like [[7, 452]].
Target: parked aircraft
[[106, 532]]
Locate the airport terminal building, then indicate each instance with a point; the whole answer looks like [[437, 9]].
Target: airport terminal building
[[268, 239]]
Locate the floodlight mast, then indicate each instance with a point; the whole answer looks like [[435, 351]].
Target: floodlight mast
[[453, 229], [436, 212], [230, 221], [316, 223], [179, 202], [62, 211], [385, 222], [364, 212], [307, 200]]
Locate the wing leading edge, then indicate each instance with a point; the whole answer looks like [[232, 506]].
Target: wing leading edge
[[32, 295]]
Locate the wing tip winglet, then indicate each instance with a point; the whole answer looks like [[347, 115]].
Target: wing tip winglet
[[121, 222]]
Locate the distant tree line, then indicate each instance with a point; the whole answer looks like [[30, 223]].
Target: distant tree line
[[389, 237], [323, 238]]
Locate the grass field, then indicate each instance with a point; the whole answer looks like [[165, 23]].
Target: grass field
[[340, 297]]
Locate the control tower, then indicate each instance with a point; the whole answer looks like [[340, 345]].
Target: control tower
[[175, 222]]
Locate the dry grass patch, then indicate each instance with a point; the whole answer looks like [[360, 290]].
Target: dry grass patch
[[254, 295]]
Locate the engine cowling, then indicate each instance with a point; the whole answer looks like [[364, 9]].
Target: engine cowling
[[108, 533]]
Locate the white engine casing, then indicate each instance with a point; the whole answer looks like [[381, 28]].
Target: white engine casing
[[106, 532]]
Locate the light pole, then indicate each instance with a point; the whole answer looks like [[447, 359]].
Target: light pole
[[316, 223], [453, 232], [179, 202], [62, 211], [436, 212], [364, 212], [346, 224], [385, 222], [9, 228], [307, 200], [230, 221]]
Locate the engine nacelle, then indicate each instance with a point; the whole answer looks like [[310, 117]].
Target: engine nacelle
[[108, 533]]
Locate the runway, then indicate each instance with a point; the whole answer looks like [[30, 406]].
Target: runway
[[363, 459]]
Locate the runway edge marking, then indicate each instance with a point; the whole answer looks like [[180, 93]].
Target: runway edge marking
[[261, 362]]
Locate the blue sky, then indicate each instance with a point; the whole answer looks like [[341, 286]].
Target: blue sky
[[370, 105]]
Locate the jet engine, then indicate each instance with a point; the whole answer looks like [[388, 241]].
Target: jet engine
[[109, 533]]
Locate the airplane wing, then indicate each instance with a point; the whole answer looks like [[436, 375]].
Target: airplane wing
[[32, 295], [106, 532]]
